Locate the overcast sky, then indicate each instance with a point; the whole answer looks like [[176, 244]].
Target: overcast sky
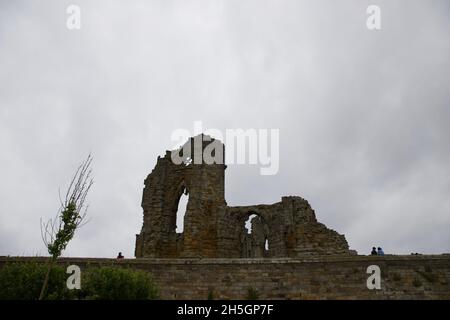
[[363, 115]]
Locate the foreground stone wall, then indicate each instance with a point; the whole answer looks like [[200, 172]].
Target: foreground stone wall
[[326, 277]]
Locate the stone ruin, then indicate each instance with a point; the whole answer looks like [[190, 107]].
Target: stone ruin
[[212, 229]]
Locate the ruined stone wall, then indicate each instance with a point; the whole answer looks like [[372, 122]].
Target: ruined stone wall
[[324, 277], [214, 230], [163, 189], [290, 228]]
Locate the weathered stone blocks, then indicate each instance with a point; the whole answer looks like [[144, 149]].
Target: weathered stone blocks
[[212, 229]]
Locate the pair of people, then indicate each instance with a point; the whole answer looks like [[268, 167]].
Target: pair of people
[[377, 252]]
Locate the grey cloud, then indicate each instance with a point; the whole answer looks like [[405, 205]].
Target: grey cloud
[[362, 115]]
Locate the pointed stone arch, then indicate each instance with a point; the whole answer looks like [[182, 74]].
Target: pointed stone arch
[[255, 236], [180, 204]]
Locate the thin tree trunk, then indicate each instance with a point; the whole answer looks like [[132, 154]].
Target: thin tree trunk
[[47, 275]]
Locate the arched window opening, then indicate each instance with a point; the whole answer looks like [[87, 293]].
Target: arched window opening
[[181, 212], [248, 223], [266, 244]]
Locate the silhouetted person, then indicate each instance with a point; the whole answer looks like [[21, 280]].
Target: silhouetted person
[[380, 252], [374, 251], [120, 256]]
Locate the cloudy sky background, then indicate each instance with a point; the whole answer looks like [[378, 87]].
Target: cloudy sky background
[[363, 115]]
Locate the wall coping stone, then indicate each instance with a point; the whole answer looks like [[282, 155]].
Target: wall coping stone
[[235, 261]]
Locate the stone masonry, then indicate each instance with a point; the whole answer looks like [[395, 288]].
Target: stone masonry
[[212, 229], [309, 277]]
